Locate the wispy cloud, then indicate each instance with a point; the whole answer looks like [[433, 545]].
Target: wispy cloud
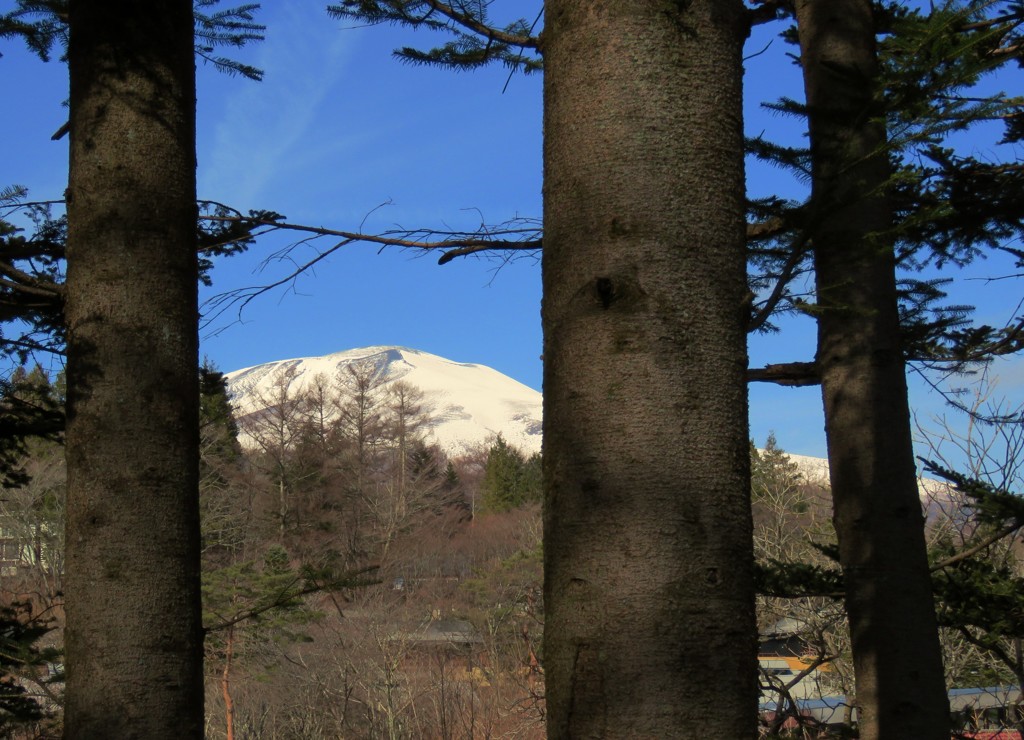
[[257, 129]]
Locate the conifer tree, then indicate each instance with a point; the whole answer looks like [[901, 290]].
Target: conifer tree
[[978, 584], [30, 325], [226, 511], [22, 713], [32, 513], [947, 208], [275, 432], [510, 478], [250, 602], [134, 631], [878, 521], [870, 211]]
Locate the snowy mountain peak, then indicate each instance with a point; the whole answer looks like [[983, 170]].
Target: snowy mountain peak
[[467, 404]]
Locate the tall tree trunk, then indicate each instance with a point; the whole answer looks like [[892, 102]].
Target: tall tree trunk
[[225, 685], [649, 626], [134, 632], [878, 518], [282, 506]]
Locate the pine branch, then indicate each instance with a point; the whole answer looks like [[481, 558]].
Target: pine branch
[[798, 251], [474, 24], [287, 596], [797, 580], [42, 24], [992, 505], [477, 42], [234, 27], [766, 11]]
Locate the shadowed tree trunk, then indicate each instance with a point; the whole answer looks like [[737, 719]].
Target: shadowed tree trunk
[[134, 639], [878, 518], [649, 626]]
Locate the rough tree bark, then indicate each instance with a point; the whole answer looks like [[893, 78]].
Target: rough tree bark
[[649, 626], [877, 512], [134, 631]]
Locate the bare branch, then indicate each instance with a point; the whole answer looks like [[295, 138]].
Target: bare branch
[[787, 373], [970, 552], [766, 229], [516, 235], [498, 239]]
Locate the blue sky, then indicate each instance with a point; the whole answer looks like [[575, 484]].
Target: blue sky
[[337, 129]]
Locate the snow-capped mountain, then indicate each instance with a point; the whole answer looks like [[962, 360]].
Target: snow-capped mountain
[[467, 404]]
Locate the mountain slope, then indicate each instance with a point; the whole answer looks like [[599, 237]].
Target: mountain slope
[[467, 404]]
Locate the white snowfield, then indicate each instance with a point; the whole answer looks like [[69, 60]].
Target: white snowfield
[[467, 404], [815, 470]]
